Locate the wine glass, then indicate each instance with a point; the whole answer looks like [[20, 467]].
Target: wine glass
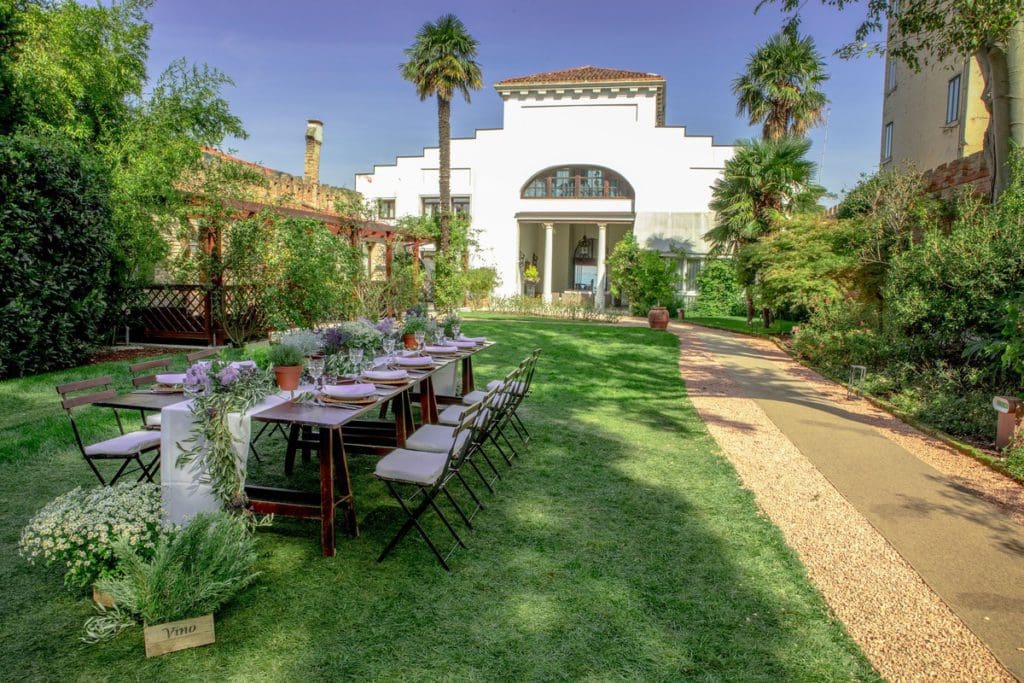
[[317, 364], [419, 337], [456, 331], [389, 348], [355, 356]]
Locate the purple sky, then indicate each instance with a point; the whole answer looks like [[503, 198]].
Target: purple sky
[[338, 61]]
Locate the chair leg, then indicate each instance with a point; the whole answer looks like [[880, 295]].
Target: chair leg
[[413, 522], [451, 529], [490, 463], [124, 466], [289, 454], [96, 471], [481, 475], [472, 494], [458, 508], [494, 440]]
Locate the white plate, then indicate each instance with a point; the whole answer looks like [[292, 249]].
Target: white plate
[[241, 364], [385, 374], [441, 349], [414, 360], [177, 378], [349, 390]]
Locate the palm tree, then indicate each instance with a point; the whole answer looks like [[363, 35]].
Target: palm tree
[[764, 182], [780, 87], [441, 63]]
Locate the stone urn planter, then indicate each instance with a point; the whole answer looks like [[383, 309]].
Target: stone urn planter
[[288, 376], [658, 318]]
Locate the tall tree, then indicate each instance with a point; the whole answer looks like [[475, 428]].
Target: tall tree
[[781, 86], [764, 182], [442, 62], [922, 32]]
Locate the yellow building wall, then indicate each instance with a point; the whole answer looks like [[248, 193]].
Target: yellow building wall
[[916, 106]]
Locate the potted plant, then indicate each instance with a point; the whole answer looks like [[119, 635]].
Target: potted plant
[[531, 276], [193, 571], [413, 324], [287, 362]]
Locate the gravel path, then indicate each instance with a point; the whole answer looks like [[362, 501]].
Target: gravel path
[[906, 630]]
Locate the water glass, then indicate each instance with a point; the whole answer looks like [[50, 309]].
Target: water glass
[[389, 348], [419, 337], [316, 369], [456, 331]]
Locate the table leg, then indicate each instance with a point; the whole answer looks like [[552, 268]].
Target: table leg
[[467, 375], [398, 409], [327, 492], [428, 401], [344, 481], [410, 423], [289, 454]]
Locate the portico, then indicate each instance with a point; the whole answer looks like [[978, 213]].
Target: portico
[[570, 252]]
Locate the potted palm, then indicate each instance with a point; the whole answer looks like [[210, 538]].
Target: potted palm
[[287, 361]]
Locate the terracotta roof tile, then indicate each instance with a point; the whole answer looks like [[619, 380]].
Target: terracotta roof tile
[[582, 74]]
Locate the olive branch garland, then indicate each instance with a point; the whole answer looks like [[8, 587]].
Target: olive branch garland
[[220, 389]]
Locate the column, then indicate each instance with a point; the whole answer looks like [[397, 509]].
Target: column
[[599, 284], [549, 246]]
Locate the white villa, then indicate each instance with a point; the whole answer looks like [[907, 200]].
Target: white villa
[[584, 156]]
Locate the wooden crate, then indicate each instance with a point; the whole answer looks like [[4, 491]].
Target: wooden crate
[[102, 599], [179, 635]]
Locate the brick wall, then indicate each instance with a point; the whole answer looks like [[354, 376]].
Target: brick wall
[[969, 173]]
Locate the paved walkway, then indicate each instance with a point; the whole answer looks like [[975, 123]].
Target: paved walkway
[[963, 547]]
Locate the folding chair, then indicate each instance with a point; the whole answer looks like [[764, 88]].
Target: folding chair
[[128, 448], [150, 420], [519, 392], [202, 353], [428, 473]]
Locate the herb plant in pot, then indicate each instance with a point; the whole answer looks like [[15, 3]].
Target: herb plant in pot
[[287, 362], [531, 276], [413, 324]]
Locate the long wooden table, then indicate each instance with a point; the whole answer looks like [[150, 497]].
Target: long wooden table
[[331, 430], [142, 400]]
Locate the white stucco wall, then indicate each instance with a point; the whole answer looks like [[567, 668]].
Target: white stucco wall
[[670, 172]]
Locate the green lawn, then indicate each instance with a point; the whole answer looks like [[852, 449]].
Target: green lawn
[[738, 323], [621, 546]]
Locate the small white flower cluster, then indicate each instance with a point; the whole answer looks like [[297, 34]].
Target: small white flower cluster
[[75, 530]]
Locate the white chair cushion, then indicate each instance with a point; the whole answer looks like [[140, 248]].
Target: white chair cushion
[[126, 444], [414, 467], [433, 438], [451, 415], [473, 397], [152, 420], [494, 383]]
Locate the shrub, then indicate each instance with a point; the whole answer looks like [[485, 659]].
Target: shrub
[[55, 253], [534, 306], [75, 532], [642, 276], [719, 290], [194, 571], [480, 282]]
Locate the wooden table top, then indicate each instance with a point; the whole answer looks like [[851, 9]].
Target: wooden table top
[[142, 399]]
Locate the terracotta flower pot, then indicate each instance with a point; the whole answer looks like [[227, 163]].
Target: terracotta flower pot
[[409, 340], [288, 376], [658, 318]]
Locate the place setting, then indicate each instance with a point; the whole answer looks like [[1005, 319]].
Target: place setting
[[170, 383]]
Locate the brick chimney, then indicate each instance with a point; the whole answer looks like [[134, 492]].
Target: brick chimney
[[314, 138]]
